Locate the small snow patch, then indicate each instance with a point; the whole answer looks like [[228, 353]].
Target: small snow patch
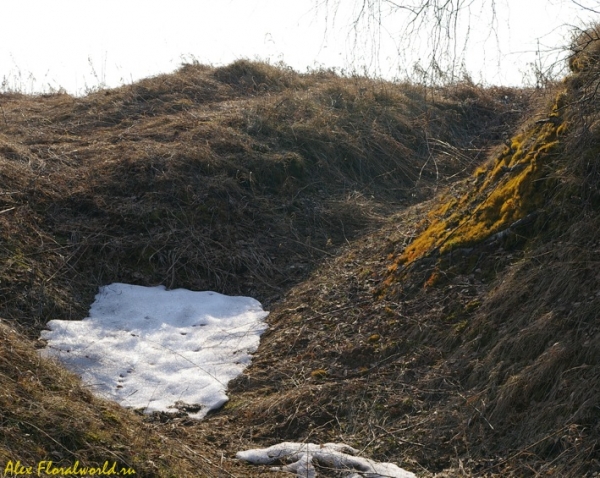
[[331, 455], [159, 350]]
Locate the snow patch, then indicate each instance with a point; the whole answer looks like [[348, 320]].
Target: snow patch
[[158, 350], [332, 455]]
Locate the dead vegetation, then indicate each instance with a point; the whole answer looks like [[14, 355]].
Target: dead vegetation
[[465, 342], [442, 334], [200, 180], [48, 415]]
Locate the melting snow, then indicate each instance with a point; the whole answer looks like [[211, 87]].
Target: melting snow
[[331, 455], [159, 350]]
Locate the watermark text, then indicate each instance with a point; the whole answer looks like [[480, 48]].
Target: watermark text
[[48, 468]]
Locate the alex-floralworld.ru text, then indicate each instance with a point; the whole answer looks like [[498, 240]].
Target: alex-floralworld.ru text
[[47, 468]]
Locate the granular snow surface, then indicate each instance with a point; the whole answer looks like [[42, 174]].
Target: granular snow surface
[[158, 350]]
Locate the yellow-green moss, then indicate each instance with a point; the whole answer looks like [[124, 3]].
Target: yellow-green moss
[[319, 373], [434, 278], [462, 325], [511, 188], [473, 305]]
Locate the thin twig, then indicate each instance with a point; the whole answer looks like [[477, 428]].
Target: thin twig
[[8, 210]]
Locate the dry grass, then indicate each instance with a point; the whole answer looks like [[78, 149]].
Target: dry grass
[[257, 180], [186, 181], [47, 415], [513, 317], [480, 360]]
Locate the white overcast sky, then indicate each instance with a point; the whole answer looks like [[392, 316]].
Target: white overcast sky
[[77, 44]]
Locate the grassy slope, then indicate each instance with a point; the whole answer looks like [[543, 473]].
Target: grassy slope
[[470, 343], [464, 345], [237, 179], [47, 415]]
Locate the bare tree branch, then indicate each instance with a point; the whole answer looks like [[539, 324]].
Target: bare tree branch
[[437, 29], [432, 37], [585, 7]]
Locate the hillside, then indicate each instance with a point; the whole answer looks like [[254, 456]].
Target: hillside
[[235, 179], [428, 258]]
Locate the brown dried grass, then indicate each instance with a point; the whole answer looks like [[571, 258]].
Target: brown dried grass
[[491, 369], [47, 415], [242, 180], [182, 180]]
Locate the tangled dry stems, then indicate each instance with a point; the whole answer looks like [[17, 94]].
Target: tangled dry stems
[[243, 180]]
